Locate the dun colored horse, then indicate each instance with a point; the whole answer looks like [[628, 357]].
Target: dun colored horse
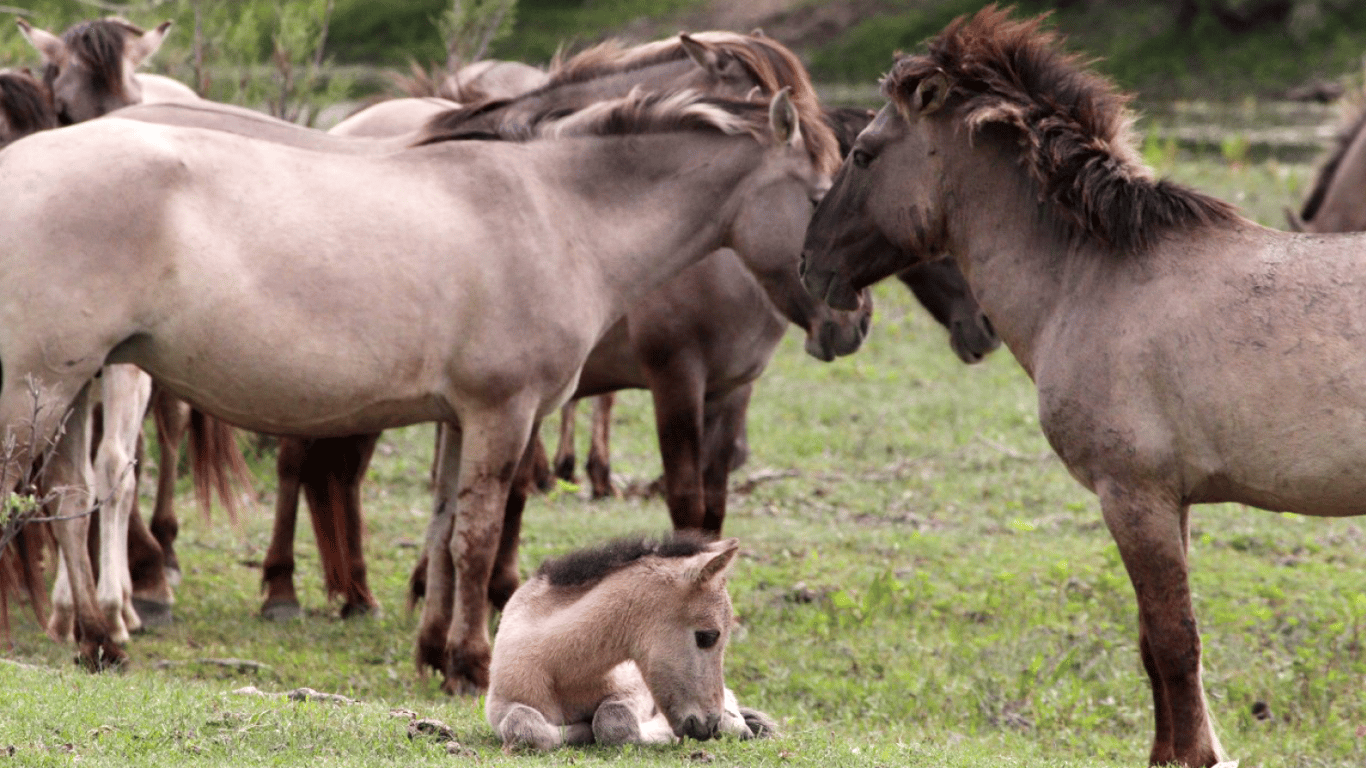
[[1337, 202], [1183, 354], [392, 276], [621, 644]]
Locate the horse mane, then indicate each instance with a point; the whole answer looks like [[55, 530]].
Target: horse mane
[[1346, 134], [587, 567], [772, 65], [100, 43], [25, 103], [1074, 126], [642, 112]]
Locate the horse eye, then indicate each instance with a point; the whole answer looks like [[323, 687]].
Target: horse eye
[[707, 638], [861, 158]]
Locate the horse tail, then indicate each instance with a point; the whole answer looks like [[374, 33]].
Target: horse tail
[[326, 511], [216, 460], [21, 569]]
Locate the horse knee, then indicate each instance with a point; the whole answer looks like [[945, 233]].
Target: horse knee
[[615, 723], [524, 726]]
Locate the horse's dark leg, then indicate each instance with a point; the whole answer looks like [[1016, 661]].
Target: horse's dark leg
[[505, 578], [152, 594], [564, 451], [542, 479], [677, 390], [172, 420], [1150, 527], [277, 571], [599, 449], [723, 425]]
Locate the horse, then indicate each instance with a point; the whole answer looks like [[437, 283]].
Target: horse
[[25, 105], [91, 67], [390, 275], [659, 617], [938, 285], [1182, 353], [1335, 202]]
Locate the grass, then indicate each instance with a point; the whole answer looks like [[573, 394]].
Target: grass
[[921, 584]]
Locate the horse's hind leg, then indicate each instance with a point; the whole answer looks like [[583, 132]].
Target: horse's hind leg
[[1150, 528], [599, 464], [564, 451], [331, 475], [277, 570], [524, 726], [723, 426], [172, 417], [125, 394]]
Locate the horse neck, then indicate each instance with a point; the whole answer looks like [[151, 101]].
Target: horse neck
[[1343, 208], [666, 199], [1016, 259]]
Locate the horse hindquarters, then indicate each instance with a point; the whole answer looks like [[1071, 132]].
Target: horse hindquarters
[[1151, 530]]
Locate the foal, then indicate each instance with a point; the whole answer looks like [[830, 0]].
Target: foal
[[620, 644]]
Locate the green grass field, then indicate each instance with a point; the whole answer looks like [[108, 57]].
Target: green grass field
[[921, 584]]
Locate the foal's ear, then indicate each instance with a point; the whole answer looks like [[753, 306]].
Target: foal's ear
[[147, 44], [931, 93], [782, 117], [717, 558], [49, 46]]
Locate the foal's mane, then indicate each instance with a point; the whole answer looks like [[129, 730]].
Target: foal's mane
[[100, 44], [26, 104], [1074, 126], [642, 112], [587, 567], [770, 63], [1346, 134]]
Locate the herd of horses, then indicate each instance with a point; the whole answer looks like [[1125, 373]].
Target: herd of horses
[[662, 212]]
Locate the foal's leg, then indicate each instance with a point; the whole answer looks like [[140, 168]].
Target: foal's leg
[[1150, 527], [599, 448], [125, 395], [524, 726], [172, 420], [678, 389]]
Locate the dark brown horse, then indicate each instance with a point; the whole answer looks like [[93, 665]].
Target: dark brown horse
[[1183, 354]]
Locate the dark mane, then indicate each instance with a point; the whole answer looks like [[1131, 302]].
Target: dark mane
[[100, 44], [25, 104], [1074, 127], [589, 566], [1345, 136]]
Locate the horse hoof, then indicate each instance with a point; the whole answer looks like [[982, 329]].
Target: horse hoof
[[614, 723], [173, 576], [153, 613], [359, 611], [98, 657], [281, 611]]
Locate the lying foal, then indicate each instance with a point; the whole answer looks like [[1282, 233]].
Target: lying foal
[[623, 643]]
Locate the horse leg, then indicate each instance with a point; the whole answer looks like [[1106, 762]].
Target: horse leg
[[172, 417], [599, 449], [152, 594], [332, 475], [126, 392], [492, 444], [277, 570], [524, 726], [564, 452], [723, 425], [1151, 529], [678, 393], [505, 578]]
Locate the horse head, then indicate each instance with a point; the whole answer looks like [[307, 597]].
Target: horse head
[[682, 647], [90, 67], [25, 105]]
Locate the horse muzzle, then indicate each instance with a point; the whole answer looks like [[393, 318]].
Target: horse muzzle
[[697, 728]]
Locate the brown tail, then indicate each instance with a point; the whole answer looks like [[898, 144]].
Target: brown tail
[[21, 572], [216, 460]]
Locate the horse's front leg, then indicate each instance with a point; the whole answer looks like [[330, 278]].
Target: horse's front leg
[[277, 570], [172, 420], [677, 388], [1149, 526], [492, 444], [599, 464], [505, 578], [723, 426]]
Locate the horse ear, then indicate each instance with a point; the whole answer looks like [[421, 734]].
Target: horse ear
[[719, 556], [148, 43], [931, 93], [49, 46], [1293, 220], [700, 52], [782, 117]]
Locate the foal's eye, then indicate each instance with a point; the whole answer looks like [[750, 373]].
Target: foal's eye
[[707, 638], [861, 158]]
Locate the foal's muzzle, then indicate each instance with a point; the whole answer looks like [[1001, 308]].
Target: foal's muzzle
[[695, 727]]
